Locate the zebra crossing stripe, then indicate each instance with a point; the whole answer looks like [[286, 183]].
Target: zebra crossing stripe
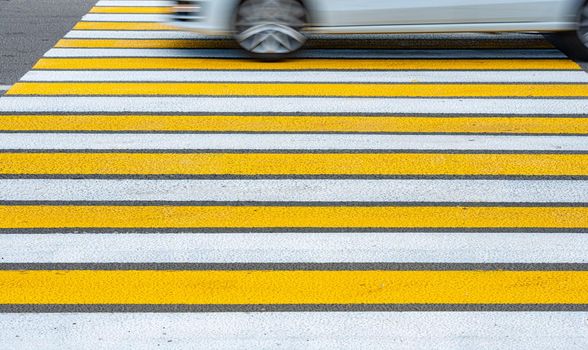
[[298, 89], [171, 64], [297, 247], [507, 125], [223, 287], [312, 191], [296, 164], [196, 43], [293, 142], [88, 25], [131, 10], [332, 77]]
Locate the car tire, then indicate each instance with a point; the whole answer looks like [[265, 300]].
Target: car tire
[[574, 43], [270, 29]]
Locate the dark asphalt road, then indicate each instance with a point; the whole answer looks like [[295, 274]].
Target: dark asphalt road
[[28, 28]]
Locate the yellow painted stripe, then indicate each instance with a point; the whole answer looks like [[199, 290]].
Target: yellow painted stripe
[[305, 64], [325, 90], [28, 217], [293, 287], [122, 26], [129, 9], [302, 164], [317, 43], [520, 125]]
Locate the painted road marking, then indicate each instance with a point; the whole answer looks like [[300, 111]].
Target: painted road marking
[[306, 64], [232, 141], [414, 77], [296, 191], [217, 195], [332, 43], [99, 17], [405, 40], [131, 10], [288, 164], [300, 247], [285, 124], [84, 25], [134, 3], [471, 37], [293, 287], [292, 217], [317, 330], [299, 105], [304, 90], [332, 53], [136, 34]]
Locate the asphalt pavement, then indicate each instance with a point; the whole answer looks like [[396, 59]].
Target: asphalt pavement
[[158, 189], [28, 28]]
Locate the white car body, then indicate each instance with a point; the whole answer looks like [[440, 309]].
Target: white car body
[[407, 16]]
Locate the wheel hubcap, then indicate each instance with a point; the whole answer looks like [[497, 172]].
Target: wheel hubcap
[[270, 26]]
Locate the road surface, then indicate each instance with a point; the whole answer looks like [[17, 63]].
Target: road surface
[[159, 189]]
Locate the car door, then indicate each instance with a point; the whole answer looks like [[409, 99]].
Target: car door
[[406, 12]]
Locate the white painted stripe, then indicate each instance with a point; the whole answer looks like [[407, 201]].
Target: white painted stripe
[[238, 141], [137, 34], [361, 247], [134, 3], [125, 17], [169, 34], [297, 330], [307, 105], [314, 76], [297, 190], [5, 87], [331, 53]]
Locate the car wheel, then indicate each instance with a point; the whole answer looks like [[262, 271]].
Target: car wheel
[[270, 29], [574, 43]]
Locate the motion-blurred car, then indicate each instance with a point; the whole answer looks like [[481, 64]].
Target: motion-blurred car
[[275, 28]]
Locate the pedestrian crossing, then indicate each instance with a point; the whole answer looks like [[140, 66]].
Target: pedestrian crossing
[[160, 188]]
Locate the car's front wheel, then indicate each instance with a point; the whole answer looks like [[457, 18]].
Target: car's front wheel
[[270, 29], [574, 43]]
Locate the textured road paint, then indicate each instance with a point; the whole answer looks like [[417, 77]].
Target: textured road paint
[[129, 9], [311, 76], [217, 287], [406, 330], [438, 39], [333, 53], [295, 164], [283, 247], [99, 17], [122, 26], [351, 330], [12, 141], [203, 217], [351, 124], [298, 105], [332, 43], [282, 89], [296, 190], [135, 34], [302, 65], [136, 3]]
